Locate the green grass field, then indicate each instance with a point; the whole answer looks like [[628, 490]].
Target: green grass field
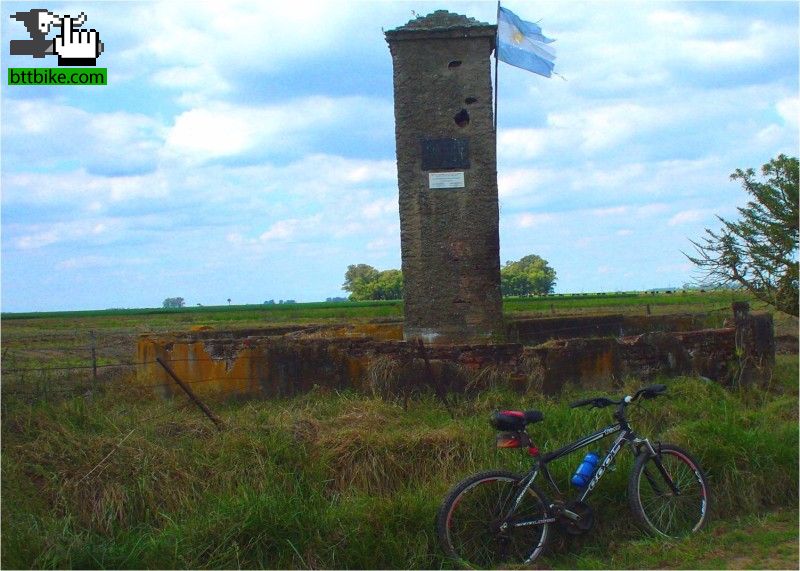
[[564, 303]]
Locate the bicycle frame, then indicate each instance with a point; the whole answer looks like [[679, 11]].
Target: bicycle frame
[[627, 436]]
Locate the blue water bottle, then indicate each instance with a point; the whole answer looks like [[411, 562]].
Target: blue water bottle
[[586, 470]]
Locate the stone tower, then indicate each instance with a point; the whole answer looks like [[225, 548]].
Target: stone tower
[[447, 177]]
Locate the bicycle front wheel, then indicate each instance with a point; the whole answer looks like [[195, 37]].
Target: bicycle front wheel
[[470, 522], [668, 493]]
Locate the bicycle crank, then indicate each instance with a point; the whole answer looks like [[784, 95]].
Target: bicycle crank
[[576, 518]]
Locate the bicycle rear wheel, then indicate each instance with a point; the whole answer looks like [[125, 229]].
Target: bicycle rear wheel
[[654, 502], [470, 519]]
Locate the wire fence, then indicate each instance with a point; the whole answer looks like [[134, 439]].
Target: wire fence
[[44, 384]]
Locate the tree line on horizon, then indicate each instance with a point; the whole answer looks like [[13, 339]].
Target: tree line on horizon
[[531, 275]]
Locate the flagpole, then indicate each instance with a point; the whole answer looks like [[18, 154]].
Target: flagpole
[[496, 59]]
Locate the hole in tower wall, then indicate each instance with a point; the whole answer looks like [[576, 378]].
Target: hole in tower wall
[[454, 64], [471, 100], [461, 118]]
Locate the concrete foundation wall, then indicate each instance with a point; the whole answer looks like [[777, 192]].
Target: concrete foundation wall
[[532, 331], [260, 363]]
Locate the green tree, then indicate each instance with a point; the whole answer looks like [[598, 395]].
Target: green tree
[[357, 275], [758, 252], [173, 302], [365, 283], [531, 275], [389, 285]]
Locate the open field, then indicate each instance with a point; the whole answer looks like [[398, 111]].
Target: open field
[[132, 321], [350, 481], [316, 311]]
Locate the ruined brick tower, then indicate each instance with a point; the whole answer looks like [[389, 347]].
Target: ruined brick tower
[[447, 177]]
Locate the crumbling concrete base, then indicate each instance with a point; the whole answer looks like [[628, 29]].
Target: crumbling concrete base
[[272, 363]]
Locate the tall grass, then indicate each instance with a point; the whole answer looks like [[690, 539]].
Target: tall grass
[[335, 480]]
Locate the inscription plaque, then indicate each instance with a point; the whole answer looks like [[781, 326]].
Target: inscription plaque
[[446, 179], [440, 154]]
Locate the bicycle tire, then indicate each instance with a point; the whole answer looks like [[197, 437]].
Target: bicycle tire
[[652, 501], [465, 521]]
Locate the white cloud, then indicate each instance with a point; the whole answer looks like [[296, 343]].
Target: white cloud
[[37, 236], [758, 45], [197, 84], [613, 211], [383, 245], [219, 129], [85, 262], [674, 22], [529, 220], [43, 133], [606, 126], [609, 177], [80, 189], [686, 216], [789, 110], [650, 210], [286, 229], [519, 182], [245, 32], [379, 208], [769, 136], [524, 143]]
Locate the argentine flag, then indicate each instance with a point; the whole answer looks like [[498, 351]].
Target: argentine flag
[[522, 44]]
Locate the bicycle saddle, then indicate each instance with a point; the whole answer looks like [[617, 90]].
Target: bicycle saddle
[[514, 419]]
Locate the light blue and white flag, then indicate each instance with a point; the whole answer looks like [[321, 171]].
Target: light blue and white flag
[[522, 44]]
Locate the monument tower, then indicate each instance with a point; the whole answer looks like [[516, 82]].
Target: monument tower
[[447, 178]]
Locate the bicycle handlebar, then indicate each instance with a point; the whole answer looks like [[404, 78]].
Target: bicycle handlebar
[[650, 392], [597, 402]]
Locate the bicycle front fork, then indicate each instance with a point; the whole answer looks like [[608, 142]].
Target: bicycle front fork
[[644, 446]]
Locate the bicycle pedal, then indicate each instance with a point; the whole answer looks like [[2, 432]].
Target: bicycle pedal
[[570, 515], [576, 518]]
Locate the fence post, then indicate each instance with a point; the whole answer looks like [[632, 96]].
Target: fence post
[[94, 356], [192, 396]]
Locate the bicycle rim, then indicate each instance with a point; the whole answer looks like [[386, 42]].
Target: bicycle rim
[[661, 509], [473, 521]]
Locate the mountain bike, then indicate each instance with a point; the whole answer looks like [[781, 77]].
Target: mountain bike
[[498, 518]]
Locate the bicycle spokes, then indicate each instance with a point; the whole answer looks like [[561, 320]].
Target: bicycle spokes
[[672, 494], [481, 531]]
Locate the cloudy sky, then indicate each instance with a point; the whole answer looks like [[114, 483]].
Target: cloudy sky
[[246, 150]]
